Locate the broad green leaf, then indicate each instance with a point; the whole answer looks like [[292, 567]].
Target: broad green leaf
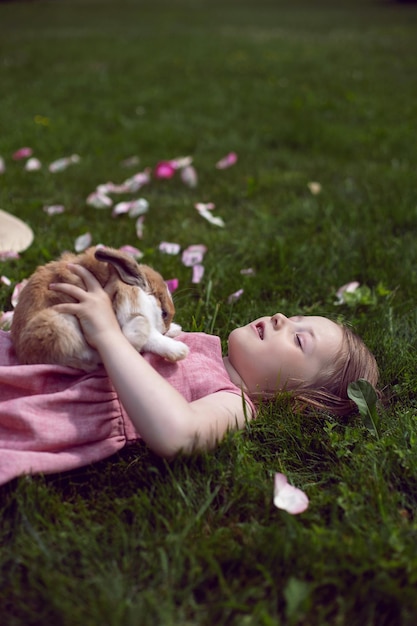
[[364, 396]]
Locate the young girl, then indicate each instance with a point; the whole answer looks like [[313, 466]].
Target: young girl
[[56, 418]]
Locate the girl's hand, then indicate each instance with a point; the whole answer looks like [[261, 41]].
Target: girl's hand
[[93, 309]]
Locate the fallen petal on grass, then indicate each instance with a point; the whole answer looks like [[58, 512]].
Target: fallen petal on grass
[[33, 165], [17, 291], [99, 200], [83, 242], [133, 184], [62, 164], [169, 247], [205, 208], [287, 497], [189, 176], [135, 252], [347, 288], [315, 188], [193, 255], [6, 255], [130, 161], [212, 219], [22, 153], [138, 207], [54, 209], [227, 161], [235, 296], [172, 284], [164, 169], [5, 281], [2, 165], [198, 273], [181, 162], [139, 226]]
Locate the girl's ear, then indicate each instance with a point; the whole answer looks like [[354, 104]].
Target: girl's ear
[[128, 270]]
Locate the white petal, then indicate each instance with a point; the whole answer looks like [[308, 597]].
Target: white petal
[[314, 187], [138, 207], [287, 497], [189, 176], [99, 200], [82, 242], [169, 247], [32, 165], [54, 209]]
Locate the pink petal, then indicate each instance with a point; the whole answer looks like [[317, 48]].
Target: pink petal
[[172, 284], [82, 242], [121, 208], [189, 176], [169, 247], [193, 255], [164, 169], [22, 153], [287, 497], [54, 209], [198, 273], [5, 281], [133, 184], [17, 291], [248, 272], [235, 296], [5, 255], [2, 165], [135, 252], [227, 161]]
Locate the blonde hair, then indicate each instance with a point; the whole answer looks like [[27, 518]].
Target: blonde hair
[[329, 391]]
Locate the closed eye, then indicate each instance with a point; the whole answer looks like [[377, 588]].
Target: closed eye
[[298, 341]]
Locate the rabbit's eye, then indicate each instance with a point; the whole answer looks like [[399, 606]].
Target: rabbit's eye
[[164, 314]]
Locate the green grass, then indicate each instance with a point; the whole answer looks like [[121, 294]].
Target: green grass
[[302, 91]]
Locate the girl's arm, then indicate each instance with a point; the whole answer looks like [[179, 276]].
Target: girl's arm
[[162, 416]]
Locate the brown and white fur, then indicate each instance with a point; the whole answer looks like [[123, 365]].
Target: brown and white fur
[[141, 302]]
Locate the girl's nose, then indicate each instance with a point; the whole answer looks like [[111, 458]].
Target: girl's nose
[[278, 320]]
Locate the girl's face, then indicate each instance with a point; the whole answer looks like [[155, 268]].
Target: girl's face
[[278, 352]]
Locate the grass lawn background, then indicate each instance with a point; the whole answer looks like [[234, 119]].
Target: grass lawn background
[[302, 92]]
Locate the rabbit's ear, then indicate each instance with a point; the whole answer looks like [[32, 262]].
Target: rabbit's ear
[[127, 268]]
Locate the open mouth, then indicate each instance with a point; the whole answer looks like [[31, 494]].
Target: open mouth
[[260, 329]]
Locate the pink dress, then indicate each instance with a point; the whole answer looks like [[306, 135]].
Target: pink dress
[[56, 418]]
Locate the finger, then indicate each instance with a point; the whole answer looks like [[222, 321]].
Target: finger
[[87, 277], [70, 308], [78, 293]]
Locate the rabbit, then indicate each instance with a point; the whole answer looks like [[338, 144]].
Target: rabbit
[[141, 301]]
